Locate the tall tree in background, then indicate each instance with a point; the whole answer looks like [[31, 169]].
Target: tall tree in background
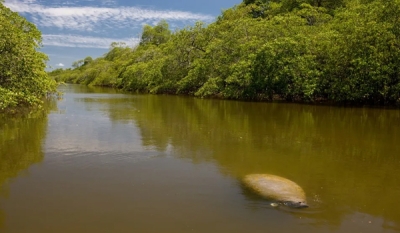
[[247, 2], [289, 5], [156, 35]]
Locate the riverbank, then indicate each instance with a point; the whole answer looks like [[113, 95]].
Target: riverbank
[[337, 55]]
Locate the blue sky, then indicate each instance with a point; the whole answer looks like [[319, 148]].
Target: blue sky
[[74, 29]]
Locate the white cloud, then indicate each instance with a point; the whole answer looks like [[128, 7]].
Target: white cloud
[[108, 2], [97, 18], [84, 41], [68, 25], [60, 64]]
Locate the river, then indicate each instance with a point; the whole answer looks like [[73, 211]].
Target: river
[[99, 160]]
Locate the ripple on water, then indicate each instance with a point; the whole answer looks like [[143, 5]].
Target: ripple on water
[[87, 159]]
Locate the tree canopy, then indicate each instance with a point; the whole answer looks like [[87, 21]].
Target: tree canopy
[[23, 79], [343, 51]]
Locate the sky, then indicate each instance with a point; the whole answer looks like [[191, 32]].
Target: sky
[[75, 29]]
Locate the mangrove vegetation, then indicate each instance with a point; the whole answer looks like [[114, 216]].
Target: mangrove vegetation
[[332, 51], [23, 79]]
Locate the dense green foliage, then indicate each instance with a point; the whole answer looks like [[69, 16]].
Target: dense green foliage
[[23, 79], [295, 50]]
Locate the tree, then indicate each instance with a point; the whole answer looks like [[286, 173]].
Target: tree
[[156, 35], [77, 64], [290, 5], [87, 60], [248, 2], [23, 80]]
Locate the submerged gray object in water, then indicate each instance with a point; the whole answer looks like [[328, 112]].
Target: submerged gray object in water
[[277, 188]]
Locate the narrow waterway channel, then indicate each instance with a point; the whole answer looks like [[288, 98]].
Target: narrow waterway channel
[[106, 161]]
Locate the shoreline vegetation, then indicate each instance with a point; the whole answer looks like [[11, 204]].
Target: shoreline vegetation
[[24, 83], [310, 51]]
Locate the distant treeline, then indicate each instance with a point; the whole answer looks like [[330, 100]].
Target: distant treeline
[[339, 51]]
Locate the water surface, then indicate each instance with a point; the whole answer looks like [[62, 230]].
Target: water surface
[[105, 161]]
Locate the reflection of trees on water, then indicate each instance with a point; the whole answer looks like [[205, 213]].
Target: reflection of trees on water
[[76, 88], [346, 159], [21, 139]]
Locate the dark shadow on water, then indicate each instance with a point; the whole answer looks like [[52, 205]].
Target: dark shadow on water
[[21, 140]]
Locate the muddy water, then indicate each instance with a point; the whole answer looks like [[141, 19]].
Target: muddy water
[[104, 161]]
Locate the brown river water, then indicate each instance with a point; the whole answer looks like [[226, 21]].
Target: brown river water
[[99, 160]]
